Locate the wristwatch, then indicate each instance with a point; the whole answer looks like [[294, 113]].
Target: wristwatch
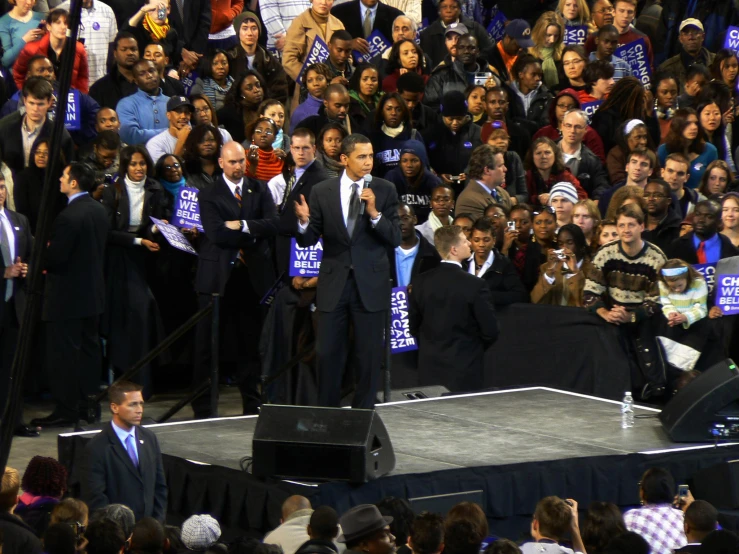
[[241, 225], [633, 317]]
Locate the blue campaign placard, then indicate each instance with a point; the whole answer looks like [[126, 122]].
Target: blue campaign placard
[[378, 44], [401, 339], [318, 53], [270, 295], [732, 39], [635, 54], [576, 35], [305, 262], [187, 209], [590, 108], [73, 117], [727, 294], [496, 27], [173, 236], [188, 81], [709, 274]]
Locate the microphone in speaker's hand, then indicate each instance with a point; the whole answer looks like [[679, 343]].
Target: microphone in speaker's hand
[[367, 181]]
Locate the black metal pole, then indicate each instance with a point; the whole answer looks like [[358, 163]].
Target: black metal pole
[[216, 303], [28, 340]]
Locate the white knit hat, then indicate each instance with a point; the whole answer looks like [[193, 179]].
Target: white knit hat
[[565, 189]]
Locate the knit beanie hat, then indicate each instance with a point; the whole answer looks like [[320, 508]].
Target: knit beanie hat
[[200, 532], [417, 148], [564, 189], [243, 16], [453, 104]]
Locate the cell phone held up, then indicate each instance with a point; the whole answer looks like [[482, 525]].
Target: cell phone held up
[[162, 12], [482, 77]]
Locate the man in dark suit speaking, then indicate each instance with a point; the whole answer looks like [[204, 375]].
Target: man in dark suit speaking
[[123, 464], [451, 314], [74, 296], [357, 223]]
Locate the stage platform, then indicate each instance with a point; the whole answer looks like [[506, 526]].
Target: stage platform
[[514, 447]]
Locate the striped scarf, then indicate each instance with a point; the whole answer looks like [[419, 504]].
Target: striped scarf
[[157, 32]]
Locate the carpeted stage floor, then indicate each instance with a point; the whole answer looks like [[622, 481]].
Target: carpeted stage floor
[[516, 446]]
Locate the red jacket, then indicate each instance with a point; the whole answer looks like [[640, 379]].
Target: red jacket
[[534, 190], [223, 14], [80, 72]]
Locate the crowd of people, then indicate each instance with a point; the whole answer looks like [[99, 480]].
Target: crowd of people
[[37, 515], [575, 179]]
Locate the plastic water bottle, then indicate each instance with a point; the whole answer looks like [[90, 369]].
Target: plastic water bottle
[[627, 411]]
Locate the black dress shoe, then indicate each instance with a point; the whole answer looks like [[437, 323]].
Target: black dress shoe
[[52, 420], [24, 430]]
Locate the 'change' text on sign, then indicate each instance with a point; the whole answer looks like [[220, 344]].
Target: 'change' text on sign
[[401, 339], [305, 262], [727, 295], [187, 209]]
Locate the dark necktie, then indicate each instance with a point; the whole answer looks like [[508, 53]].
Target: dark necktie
[[354, 204], [288, 189], [7, 260], [237, 195], [701, 252]]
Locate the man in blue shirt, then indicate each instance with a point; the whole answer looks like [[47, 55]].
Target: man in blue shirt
[[606, 42], [143, 115]]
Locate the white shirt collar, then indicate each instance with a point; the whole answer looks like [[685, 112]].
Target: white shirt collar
[[233, 186], [485, 266]]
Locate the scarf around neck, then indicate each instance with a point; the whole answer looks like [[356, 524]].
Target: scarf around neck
[[157, 32], [173, 188], [548, 67]]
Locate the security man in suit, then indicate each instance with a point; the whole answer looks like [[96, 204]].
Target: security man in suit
[[74, 296], [15, 245], [357, 223], [299, 180], [453, 328], [234, 261], [123, 464], [362, 17]]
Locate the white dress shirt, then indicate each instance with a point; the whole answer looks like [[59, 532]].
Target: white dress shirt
[[122, 435], [485, 266], [9, 232]]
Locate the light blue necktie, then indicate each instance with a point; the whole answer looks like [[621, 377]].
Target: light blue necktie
[[131, 449]]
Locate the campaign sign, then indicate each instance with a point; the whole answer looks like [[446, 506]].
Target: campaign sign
[[401, 339], [576, 35], [188, 81], [709, 274], [496, 28], [173, 236], [590, 108], [727, 294], [73, 117], [187, 209], [732, 39], [318, 53], [635, 54], [377, 43], [305, 262]]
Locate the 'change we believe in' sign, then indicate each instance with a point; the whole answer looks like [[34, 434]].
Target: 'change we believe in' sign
[[305, 262], [187, 209], [727, 294], [576, 34], [377, 43], [635, 54], [496, 27], [318, 53]]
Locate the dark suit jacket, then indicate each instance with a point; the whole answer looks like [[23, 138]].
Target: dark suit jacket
[[18, 538], [504, 283], [351, 13], [454, 328], [11, 141], [288, 221], [684, 249], [219, 246], [427, 258], [192, 33], [109, 477], [364, 253], [74, 261], [23, 245]]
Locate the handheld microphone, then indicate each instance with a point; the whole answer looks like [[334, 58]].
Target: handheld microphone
[[367, 181]]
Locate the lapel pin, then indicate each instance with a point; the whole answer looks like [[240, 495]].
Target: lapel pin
[[17, 228], [141, 441], [248, 190]]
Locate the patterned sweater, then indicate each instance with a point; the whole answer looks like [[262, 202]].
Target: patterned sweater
[[692, 302], [617, 279]]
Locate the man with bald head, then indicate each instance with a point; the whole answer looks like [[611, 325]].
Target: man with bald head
[[335, 109], [293, 529], [234, 261]]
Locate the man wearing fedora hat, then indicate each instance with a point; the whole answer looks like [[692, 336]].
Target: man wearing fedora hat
[[365, 529]]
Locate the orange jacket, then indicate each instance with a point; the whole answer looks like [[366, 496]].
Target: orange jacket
[[80, 72]]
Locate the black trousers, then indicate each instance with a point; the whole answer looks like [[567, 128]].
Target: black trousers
[[239, 330], [8, 342], [74, 363], [332, 349], [645, 357]]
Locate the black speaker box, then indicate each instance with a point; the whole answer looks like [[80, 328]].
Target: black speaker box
[[321, 444], [705, 408], [718, 485]]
